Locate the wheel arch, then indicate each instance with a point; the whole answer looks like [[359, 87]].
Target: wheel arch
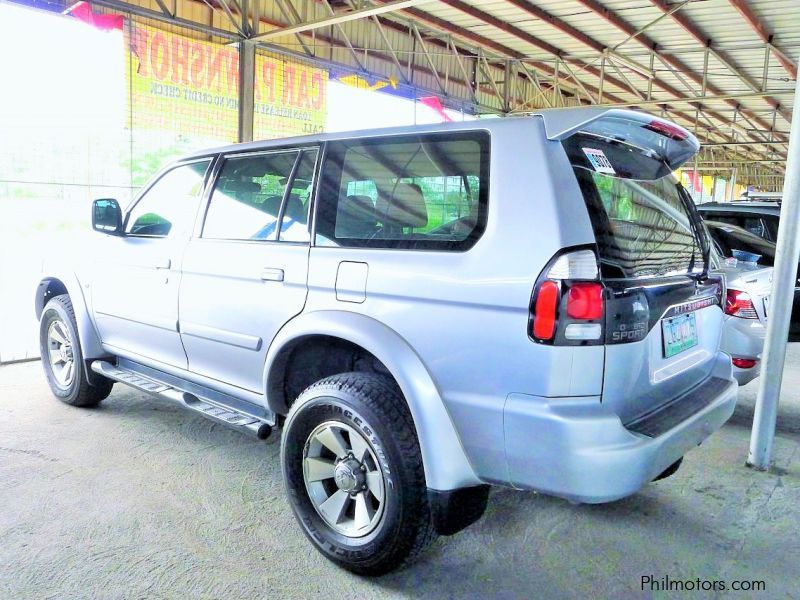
[[55, 285], [445, 462]]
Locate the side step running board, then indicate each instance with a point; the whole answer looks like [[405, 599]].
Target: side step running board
[[203, 406]]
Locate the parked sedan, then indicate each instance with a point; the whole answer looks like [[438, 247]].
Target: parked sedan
[[746, 304], [728, 238], [759, 218]]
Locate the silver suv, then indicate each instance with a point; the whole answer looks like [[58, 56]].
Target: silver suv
[[425, 311]]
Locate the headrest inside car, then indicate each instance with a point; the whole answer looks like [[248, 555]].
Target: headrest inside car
[[404, 206], [272, 205], [356, 217], [294, 209], [242, 187]]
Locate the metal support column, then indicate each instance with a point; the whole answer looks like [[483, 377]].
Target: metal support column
[[732, 194], [783, 282], [247, 74], [507, 88]]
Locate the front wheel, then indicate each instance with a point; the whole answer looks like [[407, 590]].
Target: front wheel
[[353, 473], [62, 358]]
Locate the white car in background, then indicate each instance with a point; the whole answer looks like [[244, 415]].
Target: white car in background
[[746, 306]]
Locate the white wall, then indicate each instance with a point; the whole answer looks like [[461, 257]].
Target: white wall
[[62, 123], [351, 108], [55, 115]]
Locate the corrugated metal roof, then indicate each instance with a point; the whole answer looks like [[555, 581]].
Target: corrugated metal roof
[[691, 45]]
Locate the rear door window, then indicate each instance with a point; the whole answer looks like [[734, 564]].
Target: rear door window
[[414, 192], [294, 220], [253, 192]]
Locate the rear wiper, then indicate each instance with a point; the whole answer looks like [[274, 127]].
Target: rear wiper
[[695, 219]]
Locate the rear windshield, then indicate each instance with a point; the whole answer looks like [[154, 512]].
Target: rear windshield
[[644, 222], [729, 238]]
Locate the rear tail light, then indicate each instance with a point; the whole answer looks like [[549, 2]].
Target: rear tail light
[[744, 363], [568, 305], [546, 310], [585, 301], [739, 304]]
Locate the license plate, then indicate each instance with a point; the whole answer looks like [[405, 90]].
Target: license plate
[[679, 334]]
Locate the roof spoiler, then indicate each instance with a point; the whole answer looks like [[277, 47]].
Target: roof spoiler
[[674, 144]]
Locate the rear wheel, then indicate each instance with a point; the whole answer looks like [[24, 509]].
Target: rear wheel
[[62, 358], [354, 475]]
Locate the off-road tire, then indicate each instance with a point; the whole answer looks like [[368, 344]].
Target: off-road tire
[[374, 406], [79, 392]]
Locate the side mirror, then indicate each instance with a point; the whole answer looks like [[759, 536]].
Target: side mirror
[[107, 216]]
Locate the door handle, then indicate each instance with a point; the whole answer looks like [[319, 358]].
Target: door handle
[[163, 263], [272, 275]]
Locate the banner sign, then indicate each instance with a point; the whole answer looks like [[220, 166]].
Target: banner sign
[[372, 83], [290, 98], [190, 87]]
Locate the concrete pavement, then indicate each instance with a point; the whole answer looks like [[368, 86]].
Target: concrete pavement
[[139, 499]]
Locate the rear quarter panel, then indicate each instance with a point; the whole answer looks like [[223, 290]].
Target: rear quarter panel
[[466, 313]]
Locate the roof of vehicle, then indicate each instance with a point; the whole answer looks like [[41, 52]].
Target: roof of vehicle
[[767, 196], [559, 123], [769, 208]]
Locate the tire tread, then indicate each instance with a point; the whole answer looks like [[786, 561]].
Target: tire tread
[[87, 395], [383, 397]]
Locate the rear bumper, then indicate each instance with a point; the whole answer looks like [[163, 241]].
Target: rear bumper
[[745, 376], [743, 338], [577, 449]]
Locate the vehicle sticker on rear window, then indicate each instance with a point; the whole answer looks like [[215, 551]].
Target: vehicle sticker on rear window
[[600, 162]]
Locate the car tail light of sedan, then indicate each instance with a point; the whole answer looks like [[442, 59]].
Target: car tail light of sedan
[[744, 363], [739, 304]]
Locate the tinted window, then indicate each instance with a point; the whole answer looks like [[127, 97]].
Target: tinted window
[[248, 195], [294, 226], [730, 238], [722, 218], [414, 192], [755, 226], [645, 225], [772, 227], [761, 225], [170, 205]]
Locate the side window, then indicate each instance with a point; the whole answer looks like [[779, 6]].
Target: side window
[[755, 226], [772, 223], [365, 187], [720, 244], [170, 205], [294, 226], [414, 192], [722, 218], [248, 195]]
